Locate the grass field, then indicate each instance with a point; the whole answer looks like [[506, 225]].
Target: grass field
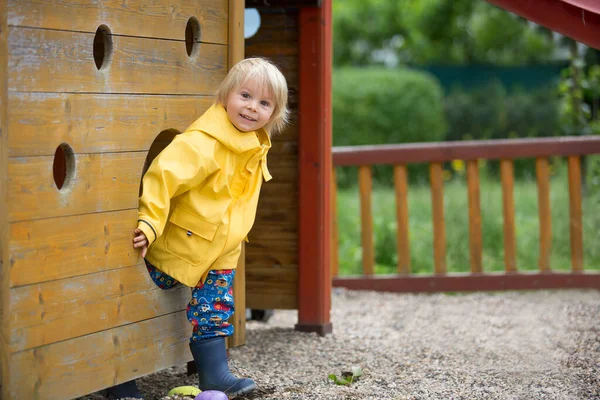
[[457, 229]]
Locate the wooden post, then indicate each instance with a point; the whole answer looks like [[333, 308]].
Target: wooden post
[[475, 240], [439, 225], [402, 238], [545, 216], [365, 187], [4, 262], [508, 207], [315, 165], [236, 54], [575, 214]]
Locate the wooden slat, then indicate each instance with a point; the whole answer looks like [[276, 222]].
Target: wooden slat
[[465, 150], [545, 216], [366, 220], [4, 253], [95, 123], [57, 248], [575, 220], [58, 61], [103, 182], [439, 225], [508, 207], [475, 241], [159, 19], [235, 53], [267, 286], [402, 235], [460, 282], [272, 256], [334, 227], [53, 311], [72, 368]]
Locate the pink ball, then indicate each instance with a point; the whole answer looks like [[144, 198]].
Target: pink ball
[[211, 395]]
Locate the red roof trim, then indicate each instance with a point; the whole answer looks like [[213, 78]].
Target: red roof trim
[[574, 21], [589, 5]]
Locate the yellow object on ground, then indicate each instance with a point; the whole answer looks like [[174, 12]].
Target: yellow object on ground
[[185, 391]]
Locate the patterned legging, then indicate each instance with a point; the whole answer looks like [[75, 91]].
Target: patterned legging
[[211, 304]]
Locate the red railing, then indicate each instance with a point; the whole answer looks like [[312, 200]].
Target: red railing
[[435, 154]]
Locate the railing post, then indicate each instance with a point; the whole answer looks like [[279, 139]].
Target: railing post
[[475, 243], [545, 216], [402, 238], [508, 207], [366, 219], [439, 227], [575, 219], [334, 227]]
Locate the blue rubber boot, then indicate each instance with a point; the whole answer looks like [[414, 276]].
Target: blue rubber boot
[[210, 357], [123, 391]]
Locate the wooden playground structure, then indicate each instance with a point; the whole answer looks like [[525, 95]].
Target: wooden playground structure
[[90, 91]]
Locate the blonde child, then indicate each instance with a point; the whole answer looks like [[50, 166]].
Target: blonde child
[[199, 202]]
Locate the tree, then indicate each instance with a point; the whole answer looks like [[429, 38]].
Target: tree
[[434, 32]]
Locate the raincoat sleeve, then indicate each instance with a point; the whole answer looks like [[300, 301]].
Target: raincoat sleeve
[[178, 168]]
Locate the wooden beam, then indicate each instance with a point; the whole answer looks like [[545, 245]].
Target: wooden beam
[[466, 150], [282, 3], [314, 283], [571, 20], [4, 255], [235, 54], [477, 282]]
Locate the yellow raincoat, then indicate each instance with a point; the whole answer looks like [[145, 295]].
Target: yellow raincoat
[[200, 195]]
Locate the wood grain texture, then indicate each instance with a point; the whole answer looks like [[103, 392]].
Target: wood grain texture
[[5, 369], [102, 182], [235, 54], [57, 248], [402, 235], [334, 227], [439, 224], [63, 309], [59, 61], [72, 368], [272, 254], [365, 188], [95, 123], [475, 238], [508, 209], [575, 214], [545, 216], [157, 18]]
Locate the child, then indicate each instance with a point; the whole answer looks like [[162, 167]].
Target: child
[[199, 202]]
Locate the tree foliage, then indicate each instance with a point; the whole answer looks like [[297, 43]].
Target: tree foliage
[[434, 32]]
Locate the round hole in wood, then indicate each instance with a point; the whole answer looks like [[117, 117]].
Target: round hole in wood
[[63, 166], [192, 36], [103, 47], [160, 142]]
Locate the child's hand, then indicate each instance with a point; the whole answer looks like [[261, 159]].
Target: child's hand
[[140, 240]]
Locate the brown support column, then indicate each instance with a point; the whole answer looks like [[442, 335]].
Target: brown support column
[[315, 166], [235, 55], [4, 257]]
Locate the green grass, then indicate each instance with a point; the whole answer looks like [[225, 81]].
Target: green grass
[[457, 229]]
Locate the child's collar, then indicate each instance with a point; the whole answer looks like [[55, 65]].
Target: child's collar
[[215, 123]]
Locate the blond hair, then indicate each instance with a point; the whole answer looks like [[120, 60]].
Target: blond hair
[[266, 74]]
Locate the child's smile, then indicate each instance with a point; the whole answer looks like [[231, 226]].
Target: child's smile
[[249, 106]]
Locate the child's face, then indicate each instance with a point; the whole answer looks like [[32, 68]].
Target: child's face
[[249, 106]]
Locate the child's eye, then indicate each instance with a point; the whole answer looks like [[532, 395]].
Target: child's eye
[[245, 95], [265, 103]]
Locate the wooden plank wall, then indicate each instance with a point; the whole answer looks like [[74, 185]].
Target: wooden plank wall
[[80, 313], [272, 253]]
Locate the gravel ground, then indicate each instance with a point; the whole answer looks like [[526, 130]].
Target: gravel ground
[[510, 345]]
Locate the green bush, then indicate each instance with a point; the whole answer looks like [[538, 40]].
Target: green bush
[[383, 106], [492, 112]]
